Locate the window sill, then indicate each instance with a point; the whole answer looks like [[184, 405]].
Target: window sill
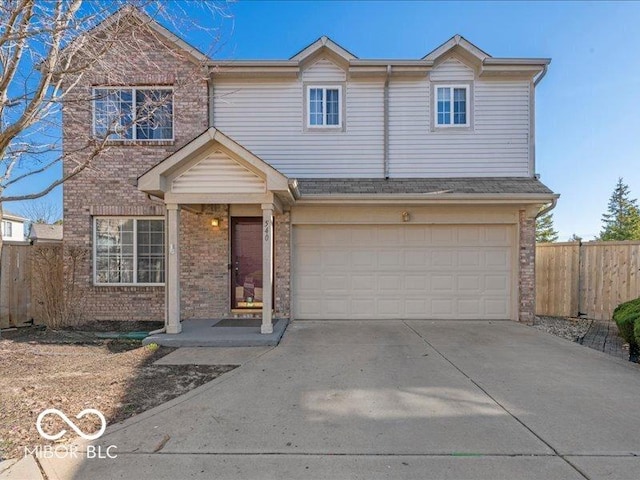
[[320, 129], [142, 143], [129, 285], [452, 128]]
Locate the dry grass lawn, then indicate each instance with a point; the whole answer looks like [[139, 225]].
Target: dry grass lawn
[[43, 370]]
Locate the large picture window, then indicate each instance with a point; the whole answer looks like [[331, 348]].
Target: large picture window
[[133, 113], [128, 251]]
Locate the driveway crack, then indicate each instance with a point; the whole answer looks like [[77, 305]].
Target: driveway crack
[[505, 409]]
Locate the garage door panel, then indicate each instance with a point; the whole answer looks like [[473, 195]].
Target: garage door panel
[[468, 306], [335, 283], [390, 284], [402, 271], [416, 284], [335, 236], [443, 258], [496, 307], [496, 258], [469, 284], [496, 283], [416, 259]]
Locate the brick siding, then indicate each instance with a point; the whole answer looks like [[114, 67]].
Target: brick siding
[[526, 270], [109, 187]]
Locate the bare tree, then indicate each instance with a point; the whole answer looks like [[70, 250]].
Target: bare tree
[[41, 210], [46, 48]]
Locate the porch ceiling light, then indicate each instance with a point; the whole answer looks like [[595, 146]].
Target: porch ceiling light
[[215, 222], [405, 216]]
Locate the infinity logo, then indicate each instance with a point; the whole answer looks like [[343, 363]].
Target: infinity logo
[[83, 413]]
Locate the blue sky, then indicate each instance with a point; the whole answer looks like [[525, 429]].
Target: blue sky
[[587, 117]]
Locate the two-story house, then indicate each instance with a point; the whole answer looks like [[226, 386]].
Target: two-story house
[[323, 186]]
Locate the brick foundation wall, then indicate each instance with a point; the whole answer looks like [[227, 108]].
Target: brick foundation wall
[[527, 270], [109, 187]]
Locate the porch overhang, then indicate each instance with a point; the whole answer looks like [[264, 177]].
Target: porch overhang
[[214, 169]]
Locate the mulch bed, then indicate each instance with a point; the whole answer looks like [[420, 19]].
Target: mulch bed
[[72, 370]]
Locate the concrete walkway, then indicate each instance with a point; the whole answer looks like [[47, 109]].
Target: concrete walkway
[[372, 400]]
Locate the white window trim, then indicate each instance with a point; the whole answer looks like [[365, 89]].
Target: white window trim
[[324, 88], [135, 110], [467, 107], [135, 251]]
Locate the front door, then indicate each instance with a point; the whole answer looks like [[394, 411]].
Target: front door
[[246, 262]]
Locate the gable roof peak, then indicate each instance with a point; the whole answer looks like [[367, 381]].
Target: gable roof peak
[[323, 43], [457, 42]]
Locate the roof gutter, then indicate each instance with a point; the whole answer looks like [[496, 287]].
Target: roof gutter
[[548, 208], [427, 198], [541, 75], [386, 124]]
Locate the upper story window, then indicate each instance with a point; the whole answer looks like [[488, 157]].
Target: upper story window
[[324, 106], [452, 106], [139, 113]]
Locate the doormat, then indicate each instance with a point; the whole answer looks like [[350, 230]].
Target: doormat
[[239, 322]]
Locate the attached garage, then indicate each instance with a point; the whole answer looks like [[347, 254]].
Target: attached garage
[[404, 271]]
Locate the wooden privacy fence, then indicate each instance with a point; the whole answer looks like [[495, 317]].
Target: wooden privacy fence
[[590, 278], [30, 282]]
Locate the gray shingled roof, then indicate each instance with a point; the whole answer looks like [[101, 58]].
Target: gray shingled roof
[[351, 186], [42, 231]]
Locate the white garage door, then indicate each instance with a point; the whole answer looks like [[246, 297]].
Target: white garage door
[[402, 271]]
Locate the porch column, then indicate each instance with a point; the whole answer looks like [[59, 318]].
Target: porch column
[[267, 267], [172, 272]]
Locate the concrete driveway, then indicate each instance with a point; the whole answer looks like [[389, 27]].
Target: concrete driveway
[[393, 399]]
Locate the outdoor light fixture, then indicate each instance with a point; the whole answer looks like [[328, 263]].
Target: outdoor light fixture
[[405, 216], [215, 222]]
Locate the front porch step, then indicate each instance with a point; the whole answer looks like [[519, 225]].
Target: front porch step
[[202, 333]]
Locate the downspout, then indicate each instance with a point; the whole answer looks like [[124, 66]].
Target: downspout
[[386, 124], [210, 82]]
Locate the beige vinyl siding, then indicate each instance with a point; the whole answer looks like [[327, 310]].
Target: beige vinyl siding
[[218, 174], [496, 145], [452, 70], [267, 118], [323, 70]]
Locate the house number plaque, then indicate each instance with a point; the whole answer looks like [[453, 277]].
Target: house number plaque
[[267, 224]]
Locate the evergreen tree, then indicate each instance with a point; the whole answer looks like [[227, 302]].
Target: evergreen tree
[[545, 232], [622, 220]]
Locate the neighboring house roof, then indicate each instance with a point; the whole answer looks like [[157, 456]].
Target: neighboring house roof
[[12, 216], [44, 232], [422, 186]]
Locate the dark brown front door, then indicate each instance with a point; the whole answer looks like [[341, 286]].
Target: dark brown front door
[[246, 262]]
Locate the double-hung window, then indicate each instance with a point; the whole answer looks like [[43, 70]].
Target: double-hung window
[[7, 229], [324, 106], [128, 251], [452, 106], [139, 113]]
